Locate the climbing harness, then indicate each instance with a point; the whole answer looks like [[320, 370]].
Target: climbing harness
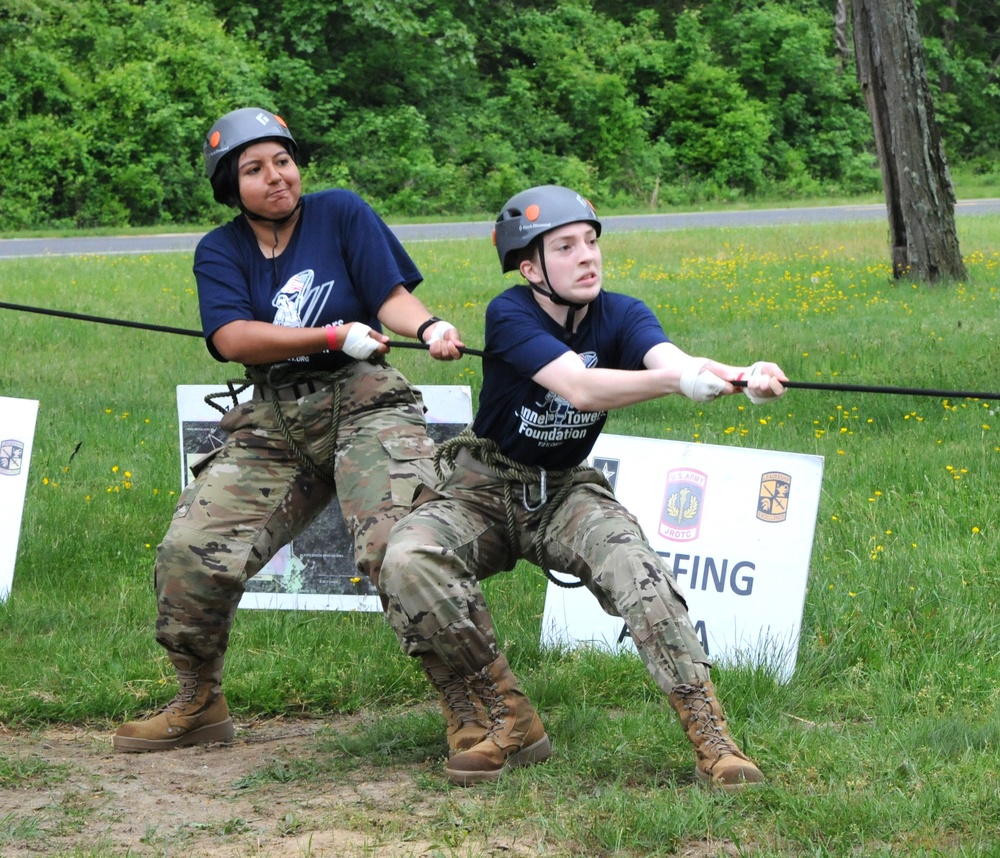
[[270, 381], [486, 451]]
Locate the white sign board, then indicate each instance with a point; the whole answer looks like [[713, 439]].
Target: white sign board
[[316, 572], [735, 526], [17, 434]]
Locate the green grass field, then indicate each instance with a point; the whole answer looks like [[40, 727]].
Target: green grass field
[[885, 742]]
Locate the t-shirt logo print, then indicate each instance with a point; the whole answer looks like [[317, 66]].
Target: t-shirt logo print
[[556, 409], [554, 420], [297, 304]]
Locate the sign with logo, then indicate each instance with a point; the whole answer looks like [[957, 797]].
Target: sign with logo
[[17, 434], [734, 526], [315, 572]]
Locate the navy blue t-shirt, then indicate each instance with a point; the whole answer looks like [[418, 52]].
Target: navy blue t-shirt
[[340, 265], [531, 424]]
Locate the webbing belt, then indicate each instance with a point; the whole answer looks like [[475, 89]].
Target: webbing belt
[[281, 383]]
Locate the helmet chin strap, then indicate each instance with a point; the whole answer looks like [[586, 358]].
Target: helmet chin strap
[[277, 221], [555, 297]]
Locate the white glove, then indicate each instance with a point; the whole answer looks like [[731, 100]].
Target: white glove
[[697, 383], [756, 398], [438, 331], [358, 344]]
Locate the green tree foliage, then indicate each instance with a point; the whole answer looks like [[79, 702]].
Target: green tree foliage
[[962, 45], [372, 90], [716, 130], [104, 105], [563, 92], [448, 106], [783, 56]]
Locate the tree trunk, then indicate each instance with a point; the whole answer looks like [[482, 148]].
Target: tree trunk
[[919, 195], [840, 34]]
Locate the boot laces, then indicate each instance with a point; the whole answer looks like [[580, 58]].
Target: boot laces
[[493, 702], [455, 694], [698, 702], [188, 681]]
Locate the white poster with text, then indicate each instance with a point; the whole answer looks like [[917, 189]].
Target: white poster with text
[[735, 527], [17, 434]]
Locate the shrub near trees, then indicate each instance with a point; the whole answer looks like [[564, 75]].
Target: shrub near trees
[[104, 104], [442, 106]]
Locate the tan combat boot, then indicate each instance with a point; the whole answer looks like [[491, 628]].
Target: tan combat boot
[[720, 763], [464, 714], [197, 715], [516, 736]]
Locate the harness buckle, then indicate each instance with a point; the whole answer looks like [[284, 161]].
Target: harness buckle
[[270, 382]]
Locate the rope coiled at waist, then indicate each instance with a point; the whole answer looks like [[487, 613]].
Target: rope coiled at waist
[[276, 377], [510, 472]]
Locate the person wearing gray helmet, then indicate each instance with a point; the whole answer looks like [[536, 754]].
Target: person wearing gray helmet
[[296, 288], [560, 353]]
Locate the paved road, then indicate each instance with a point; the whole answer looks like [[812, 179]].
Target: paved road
[[185, 242]]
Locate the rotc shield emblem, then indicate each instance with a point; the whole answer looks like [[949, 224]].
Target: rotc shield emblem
[[772, 501]]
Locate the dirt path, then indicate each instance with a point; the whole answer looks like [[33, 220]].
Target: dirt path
[[65, 792]]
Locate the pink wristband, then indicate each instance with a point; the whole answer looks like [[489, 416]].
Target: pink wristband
[[331, 337]]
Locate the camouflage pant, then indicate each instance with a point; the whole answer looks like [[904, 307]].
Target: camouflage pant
[[253, 496], [457, 536]]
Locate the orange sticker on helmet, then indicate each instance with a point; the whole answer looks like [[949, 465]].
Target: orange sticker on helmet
[[281, 121], [213, 141], [494, 238], [532, 212]]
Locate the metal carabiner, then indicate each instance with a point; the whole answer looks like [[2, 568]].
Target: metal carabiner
[[542, 496]]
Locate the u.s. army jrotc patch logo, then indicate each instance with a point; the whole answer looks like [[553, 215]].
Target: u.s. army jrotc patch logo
[[609, 468], [683, 501], [772, 501]]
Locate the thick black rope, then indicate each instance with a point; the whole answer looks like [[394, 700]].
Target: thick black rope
[[187, 332], [869, 388], [512, 471], [791, 385], [104, 320]]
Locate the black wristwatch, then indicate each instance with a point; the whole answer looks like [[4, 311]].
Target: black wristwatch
[[423, 328]]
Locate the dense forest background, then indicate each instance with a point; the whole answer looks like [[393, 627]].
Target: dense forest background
[[446, 107]]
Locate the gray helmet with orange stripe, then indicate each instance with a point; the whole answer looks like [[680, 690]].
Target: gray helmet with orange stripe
[[534, 212], [230, 135]]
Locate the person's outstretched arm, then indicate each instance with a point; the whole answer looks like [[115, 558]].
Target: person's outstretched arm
[[668, 370]]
